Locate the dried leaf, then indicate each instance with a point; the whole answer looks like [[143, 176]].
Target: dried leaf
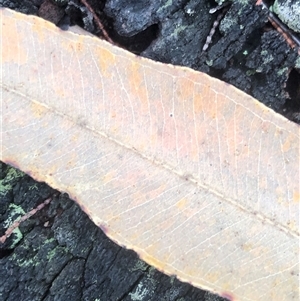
[[200, 179]]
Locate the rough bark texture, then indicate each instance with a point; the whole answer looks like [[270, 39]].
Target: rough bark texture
[[59, 253]]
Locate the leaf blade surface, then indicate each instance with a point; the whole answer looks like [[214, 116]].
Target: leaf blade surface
[[168, 160]]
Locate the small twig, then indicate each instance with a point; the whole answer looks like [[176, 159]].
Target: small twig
[[16, 224], [213, 10], [97, 20], [292, 40], [224, 8]]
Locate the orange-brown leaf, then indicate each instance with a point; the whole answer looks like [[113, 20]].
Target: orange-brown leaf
[[200, 179]]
